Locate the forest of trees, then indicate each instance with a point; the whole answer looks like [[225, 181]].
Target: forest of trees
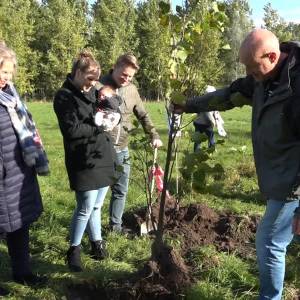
[[47, 35]]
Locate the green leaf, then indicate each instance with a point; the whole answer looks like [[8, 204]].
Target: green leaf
[[222, 6], [175, 20], [215, 7], [175, 84], [197, 28], [176, 23], [164, 7], [135, 123], [182, 55], [178, 98], [218, 168], [173, 67], [226, 47], [198, 137], [178, 9], [164, 20], [206, 168], [202, 156]]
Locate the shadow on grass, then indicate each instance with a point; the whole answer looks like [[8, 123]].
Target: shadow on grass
[[61, 283], [49, 127], [234, 133], [217, 189], [245, 197]]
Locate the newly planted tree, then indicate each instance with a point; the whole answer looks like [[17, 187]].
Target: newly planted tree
[[188, 28], [187, 31]]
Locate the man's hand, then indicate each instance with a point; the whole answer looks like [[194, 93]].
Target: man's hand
[[176, 108], [156, 143]]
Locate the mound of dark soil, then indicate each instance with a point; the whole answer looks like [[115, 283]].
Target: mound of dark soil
[[165, 276], [197, 224]]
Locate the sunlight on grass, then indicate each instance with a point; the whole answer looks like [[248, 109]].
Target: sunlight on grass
[[225, 271], [220, 275]]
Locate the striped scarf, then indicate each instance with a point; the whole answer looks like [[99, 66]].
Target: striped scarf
[[32, 148]]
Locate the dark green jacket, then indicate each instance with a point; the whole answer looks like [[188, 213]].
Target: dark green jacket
[[275, 123], [89, 152], [132, 104]]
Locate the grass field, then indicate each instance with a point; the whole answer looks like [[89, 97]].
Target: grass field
[[231, 278]]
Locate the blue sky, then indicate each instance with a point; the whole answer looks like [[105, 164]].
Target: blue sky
[[289, 10]]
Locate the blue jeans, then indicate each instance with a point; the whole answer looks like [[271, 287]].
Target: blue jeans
[[119, 190], [87, 215], [208, 130], [274, 234]]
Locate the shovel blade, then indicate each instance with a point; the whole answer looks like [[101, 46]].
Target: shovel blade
[[146, 227]]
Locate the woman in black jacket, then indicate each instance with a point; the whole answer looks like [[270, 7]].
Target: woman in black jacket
[[21, 157], [89, 155]]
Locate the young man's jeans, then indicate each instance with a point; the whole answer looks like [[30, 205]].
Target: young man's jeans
[[274, 234], [209, 131], [119, 191], [87, 215]]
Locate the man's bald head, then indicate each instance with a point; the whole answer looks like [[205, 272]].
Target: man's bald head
[[259, 42], [260, 53]]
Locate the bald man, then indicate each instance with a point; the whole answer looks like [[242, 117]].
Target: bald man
[[272, 88]]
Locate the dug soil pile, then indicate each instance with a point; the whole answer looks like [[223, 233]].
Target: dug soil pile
[[197, 225], [166, 276]]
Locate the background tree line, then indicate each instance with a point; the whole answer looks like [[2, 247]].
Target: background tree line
[[47, 34]]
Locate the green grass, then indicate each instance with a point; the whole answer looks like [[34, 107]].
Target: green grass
[[226, 276], [220, 275]]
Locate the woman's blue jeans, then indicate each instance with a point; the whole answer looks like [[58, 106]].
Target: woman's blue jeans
[[274, 234], [87, 215]]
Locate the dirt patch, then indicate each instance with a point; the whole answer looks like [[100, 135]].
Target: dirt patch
[[197, 225], [165, 276]]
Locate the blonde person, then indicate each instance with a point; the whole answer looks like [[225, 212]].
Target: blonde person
[[21, 157], [89, 155]]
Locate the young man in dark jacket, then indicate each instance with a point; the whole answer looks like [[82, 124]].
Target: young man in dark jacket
[[272, 88], [120, 79]]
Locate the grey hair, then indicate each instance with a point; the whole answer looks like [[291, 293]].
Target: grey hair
[[7, 54]]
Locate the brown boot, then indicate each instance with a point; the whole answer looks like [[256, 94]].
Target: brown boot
[[73, 259]]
